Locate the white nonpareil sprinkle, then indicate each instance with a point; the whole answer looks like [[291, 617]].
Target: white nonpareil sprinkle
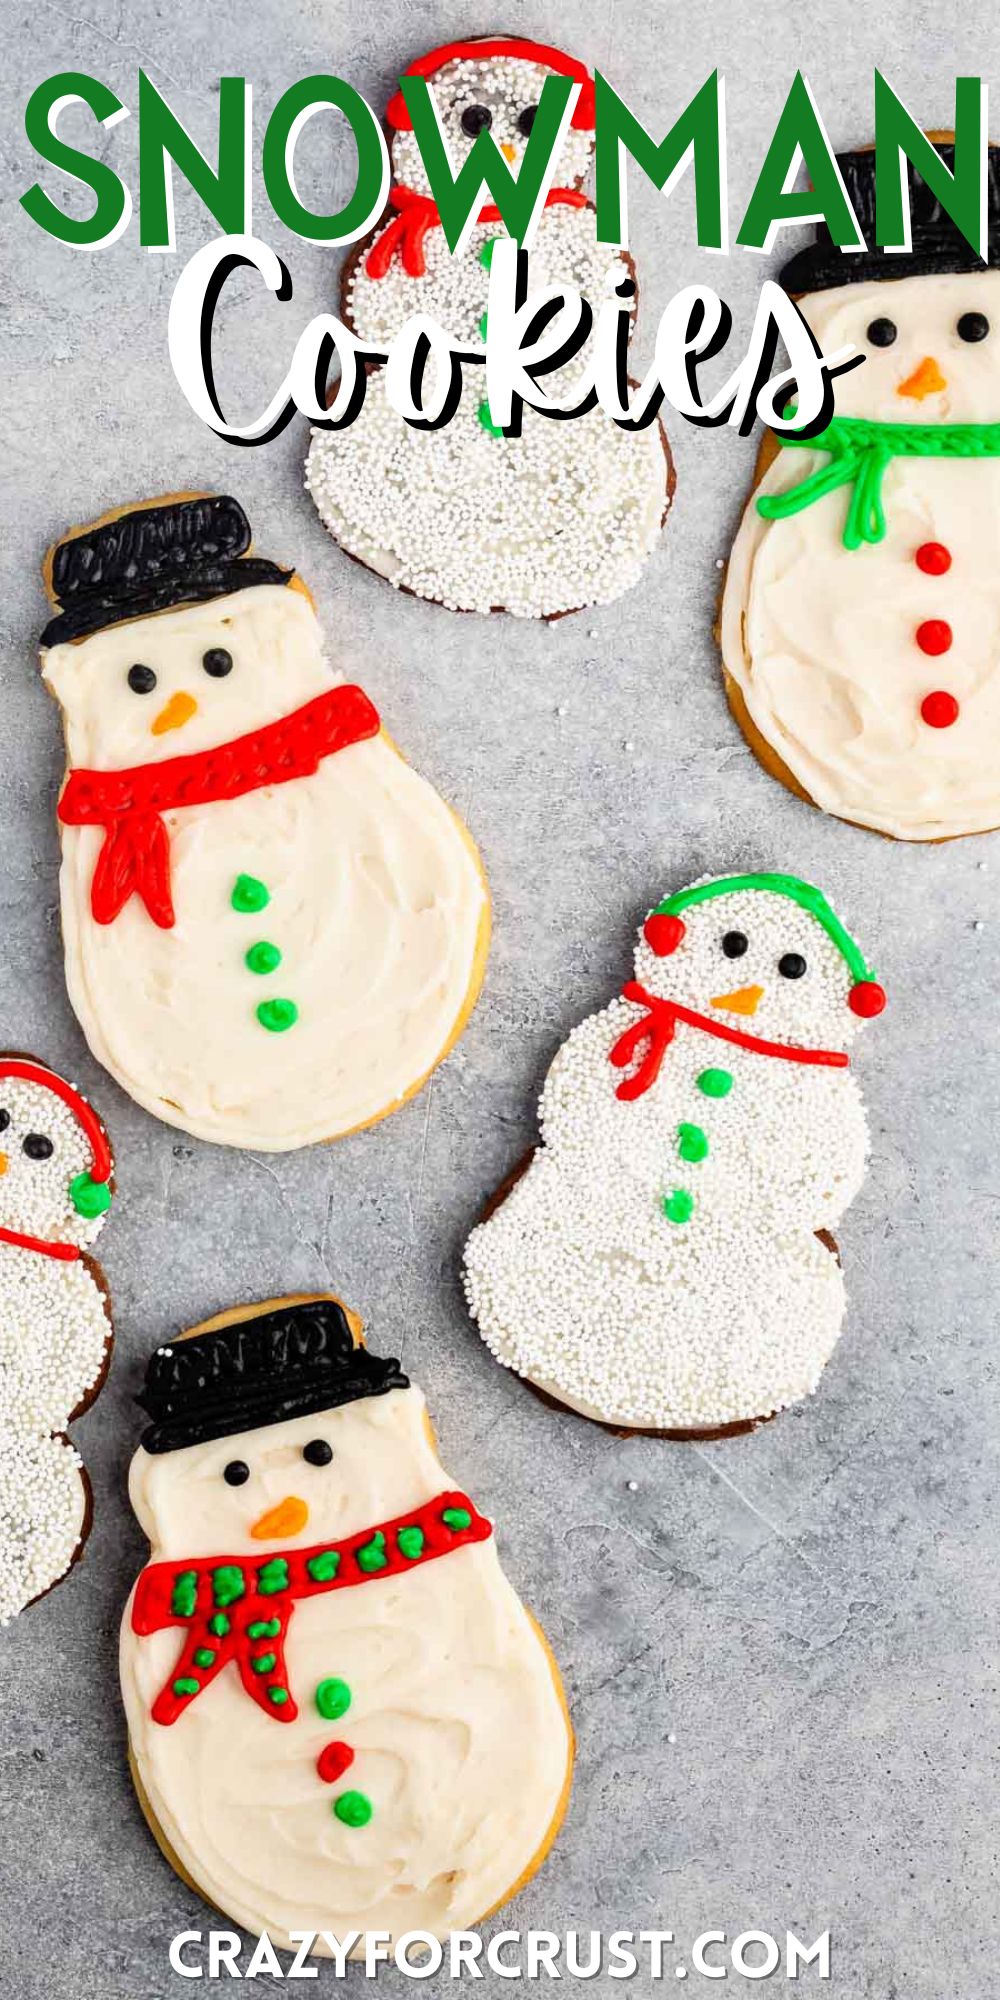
[[580, 1282]]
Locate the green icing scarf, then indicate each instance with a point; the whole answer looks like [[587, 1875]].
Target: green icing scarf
[[860, 450]]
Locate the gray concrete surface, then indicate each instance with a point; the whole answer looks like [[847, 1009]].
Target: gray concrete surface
[[781, 1652]]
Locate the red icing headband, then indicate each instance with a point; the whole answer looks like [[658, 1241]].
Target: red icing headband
[[85, 1115], [539, 52]]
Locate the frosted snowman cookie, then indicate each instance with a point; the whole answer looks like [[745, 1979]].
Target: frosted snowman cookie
[[273, 927], [55, 1326], [341, 1717], [860, 618], [659, 1265], [563, 516]]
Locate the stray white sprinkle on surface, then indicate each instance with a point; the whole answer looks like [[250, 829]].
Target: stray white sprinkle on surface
[[671, 1738], [560, 708], [981, 865], [628, 744], [720, 562], [632, 1485], [979, 924], [592, 634]]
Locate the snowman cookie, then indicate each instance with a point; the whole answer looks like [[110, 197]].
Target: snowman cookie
[[660, 1264], [341, 1716], [860, 613], [273, 927], [567, 514], [55, 1326]]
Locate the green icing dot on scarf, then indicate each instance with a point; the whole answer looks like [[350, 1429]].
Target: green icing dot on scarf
[[353, 1809], [692, 1143], [264, 1628], [279, 1696], [184, 1595], [373, 1555], [678, 1206], [332, 1698], [228, 1584], [323, 1568], [715, 1082], [277, 1015], [219, 1624], [186, 1685], [411, 1542], [456, 1518], [272, 1576], [249, 895], [204, 1657], [263, 1663]]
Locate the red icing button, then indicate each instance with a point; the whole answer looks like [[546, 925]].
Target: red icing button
[[333, 1761], [939, 709], [934, 636], [933, 558]]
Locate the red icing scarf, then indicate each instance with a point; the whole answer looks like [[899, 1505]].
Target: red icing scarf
[[238, 1609], [417, 213], [135, 858], [657, 1028]]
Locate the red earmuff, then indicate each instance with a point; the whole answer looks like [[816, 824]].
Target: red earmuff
[[866, 998], [663, 933], [398, 116]]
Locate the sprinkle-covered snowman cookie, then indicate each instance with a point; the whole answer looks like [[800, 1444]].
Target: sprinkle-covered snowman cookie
[[563, 516], [659, 1266], [55, 1326], [859, 621], [273, 927], [341, 1717]]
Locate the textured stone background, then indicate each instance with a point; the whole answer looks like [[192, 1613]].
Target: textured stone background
[[781, 1652]]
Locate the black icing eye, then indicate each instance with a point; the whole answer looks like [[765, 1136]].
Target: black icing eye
[[317, 1452], [881, 332], [527, 119], [236, 1473], [734, 944], [217, 662], [37, 1146], [972, 326], [4, 1120], [141, 680], [476, 118], [792, 965]]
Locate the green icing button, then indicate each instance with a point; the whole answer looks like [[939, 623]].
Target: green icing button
[[249, 895], [353, 1809], [323, 1568], [483, 413], [262, 957], [678, 1206], [486, 252], [263, 1663], [332, 1698], [186, 1685], [277, 1015], [89, 1198], [456, 1518], [692, 1142], [272, 1576], [279, 1696], [411, 1543], [227, 1584], [264, 1628], [184, 1594], [204, 1658], [219, 1624], [715, 1082], [373, 1555]]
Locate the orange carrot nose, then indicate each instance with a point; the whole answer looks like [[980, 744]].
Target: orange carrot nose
[[289, 1517], [745, 1000], [174, 713], [925, 380], [509, 153]]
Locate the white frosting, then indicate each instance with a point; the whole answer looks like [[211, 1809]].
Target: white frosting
[[820, 640], [460, 1739], [55, 1332], [377, 901], [581, 1283], [562, 517]]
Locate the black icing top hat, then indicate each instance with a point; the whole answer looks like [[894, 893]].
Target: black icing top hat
[[151, 559], [937, 245], [261, 1370]]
